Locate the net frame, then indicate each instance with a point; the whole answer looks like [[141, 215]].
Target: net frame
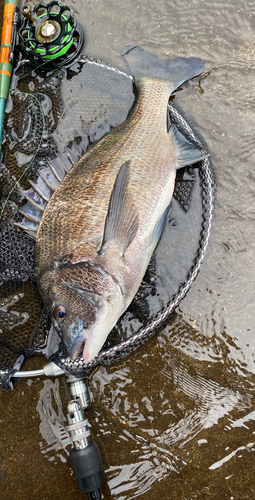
[[78, 367]]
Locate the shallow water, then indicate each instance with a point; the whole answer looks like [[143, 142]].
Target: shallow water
[[175, 419]]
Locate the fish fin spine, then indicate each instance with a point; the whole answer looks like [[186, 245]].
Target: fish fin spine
[[25, 228], [45, 185]]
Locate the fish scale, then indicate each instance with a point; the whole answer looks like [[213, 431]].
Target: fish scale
[[83, 178]]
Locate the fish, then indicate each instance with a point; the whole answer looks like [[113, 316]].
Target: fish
[[105, 218]]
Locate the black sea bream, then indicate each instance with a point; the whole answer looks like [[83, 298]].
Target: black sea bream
[[104, 220]]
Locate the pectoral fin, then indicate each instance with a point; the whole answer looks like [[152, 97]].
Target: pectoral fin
[[122, 219], [188, 153]]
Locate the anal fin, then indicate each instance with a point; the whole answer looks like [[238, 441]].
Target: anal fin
[[188, 153], [122, 219]]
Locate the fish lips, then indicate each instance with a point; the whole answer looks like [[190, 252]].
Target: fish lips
[[79, 345]]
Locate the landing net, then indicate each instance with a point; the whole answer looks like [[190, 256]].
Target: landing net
[[47, 113]]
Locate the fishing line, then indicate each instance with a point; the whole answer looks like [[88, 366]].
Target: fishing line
[[29, 73], [54, 72], [34, 155]]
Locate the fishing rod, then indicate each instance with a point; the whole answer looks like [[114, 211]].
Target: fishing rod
[[11, 21]]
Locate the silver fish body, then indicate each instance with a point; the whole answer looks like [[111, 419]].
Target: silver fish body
[[104, 220]]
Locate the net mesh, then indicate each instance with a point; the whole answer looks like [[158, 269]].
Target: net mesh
[[50, 113]]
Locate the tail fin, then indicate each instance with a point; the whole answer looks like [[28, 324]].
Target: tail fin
[[176, 71]]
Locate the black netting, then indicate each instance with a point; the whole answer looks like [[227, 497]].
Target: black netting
[[106, 97]]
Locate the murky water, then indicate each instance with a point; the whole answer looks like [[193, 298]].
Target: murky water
[[176, 419]]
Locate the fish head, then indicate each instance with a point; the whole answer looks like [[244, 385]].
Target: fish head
[[83, 303]]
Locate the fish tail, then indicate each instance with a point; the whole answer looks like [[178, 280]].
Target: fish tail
[[175, 71]]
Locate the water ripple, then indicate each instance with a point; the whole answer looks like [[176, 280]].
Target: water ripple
[[55, 437]]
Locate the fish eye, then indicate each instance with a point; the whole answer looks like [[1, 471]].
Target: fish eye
[[59, 313]]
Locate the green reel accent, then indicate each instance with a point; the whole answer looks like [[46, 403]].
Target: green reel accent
[[51, 34]]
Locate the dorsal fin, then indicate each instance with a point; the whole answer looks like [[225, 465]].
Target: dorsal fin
[[47, 182]]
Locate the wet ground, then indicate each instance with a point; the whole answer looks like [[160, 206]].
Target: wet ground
[[176, 419]]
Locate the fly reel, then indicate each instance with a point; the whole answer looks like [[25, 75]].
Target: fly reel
[[50, 36]]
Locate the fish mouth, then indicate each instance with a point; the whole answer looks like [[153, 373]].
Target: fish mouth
[[79, 345]]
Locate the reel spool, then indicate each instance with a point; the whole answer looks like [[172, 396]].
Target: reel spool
[[50, 36]]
